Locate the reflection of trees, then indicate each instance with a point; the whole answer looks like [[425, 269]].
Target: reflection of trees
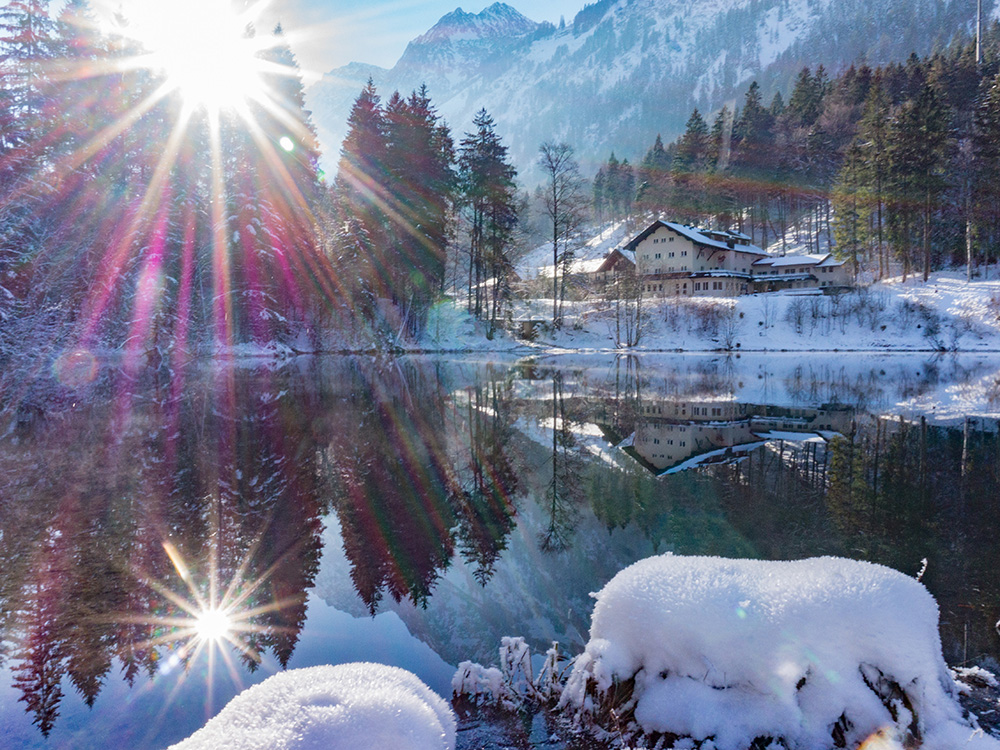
[[485, 503], [901, 491], [88, 503], [563, 488], [402, 504], [392, 488]]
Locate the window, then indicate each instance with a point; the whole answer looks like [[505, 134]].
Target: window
[[671, 255], [671, 239], [684, 253]]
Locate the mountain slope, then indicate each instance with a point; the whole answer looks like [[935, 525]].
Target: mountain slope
[[625, 70]]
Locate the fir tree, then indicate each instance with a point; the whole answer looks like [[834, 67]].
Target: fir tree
[[689, 170], [488, 194], [653, 191]]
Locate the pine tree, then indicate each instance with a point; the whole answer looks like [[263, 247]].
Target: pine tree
[[360, 175], [653, 192], [754, 160], [488, 195], [918, 136], [986, 152], [689, 171], [850, 207], [26, 125], [873, 140], [419, 159]]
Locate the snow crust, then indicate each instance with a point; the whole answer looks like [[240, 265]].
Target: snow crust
[[734, 650], [344, 707]]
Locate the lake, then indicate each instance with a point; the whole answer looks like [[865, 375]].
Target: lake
[[414, 510]]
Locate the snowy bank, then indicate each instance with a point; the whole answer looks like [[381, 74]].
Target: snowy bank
[[802, 655], [347, 707]]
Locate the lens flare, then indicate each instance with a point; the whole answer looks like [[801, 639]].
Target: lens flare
[[76, 368], [213, 625], [204, 48]]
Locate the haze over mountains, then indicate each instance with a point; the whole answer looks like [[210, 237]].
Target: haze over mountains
[[624, 70]]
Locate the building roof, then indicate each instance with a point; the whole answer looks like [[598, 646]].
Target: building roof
[[694, 235], [783, 277], [799, 260], [614, 257]]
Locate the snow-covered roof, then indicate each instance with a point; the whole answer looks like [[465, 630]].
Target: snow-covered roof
[[799, 260], [721, 272], [693, 234], [725, 455], [726, 234], [791, 437], [612, 257], [783, 277]]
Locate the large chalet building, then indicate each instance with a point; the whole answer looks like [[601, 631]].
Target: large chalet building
[[678, 260]]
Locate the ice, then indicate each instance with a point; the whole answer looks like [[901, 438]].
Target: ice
[[350, 706], [812, 653]]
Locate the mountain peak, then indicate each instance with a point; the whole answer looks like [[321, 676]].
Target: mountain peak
[[497, 21]]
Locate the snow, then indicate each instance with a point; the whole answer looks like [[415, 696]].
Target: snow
[[728, 454], [945, 313], [696, 236], [734, 650], [347, 707], [794, 260]]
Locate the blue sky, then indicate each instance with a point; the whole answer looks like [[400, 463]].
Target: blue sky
[[326, 34]]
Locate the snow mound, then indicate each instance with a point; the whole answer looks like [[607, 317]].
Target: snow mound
[[801, 655], [350, 706]]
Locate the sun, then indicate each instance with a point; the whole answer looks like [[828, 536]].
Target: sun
[[205, 49], [213, 625]]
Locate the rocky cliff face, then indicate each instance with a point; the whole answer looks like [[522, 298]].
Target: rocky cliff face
[[625, 70]]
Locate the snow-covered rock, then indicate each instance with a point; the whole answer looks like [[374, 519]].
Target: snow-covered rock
[[347, 707], [809, 653]]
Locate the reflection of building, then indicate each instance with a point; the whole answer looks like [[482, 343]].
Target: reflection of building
[[676, 435]]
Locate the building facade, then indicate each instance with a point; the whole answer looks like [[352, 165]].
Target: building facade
[[676, 260]]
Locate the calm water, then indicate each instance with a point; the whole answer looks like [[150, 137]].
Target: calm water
[[414, 511]]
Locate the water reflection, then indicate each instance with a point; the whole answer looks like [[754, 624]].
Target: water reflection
[[146, 520], [130, 513]]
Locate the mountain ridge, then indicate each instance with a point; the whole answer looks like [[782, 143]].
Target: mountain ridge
[[625, 70]]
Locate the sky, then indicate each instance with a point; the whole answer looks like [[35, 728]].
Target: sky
[[327, 34]]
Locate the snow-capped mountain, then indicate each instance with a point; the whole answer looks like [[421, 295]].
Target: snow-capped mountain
[[625, 70]]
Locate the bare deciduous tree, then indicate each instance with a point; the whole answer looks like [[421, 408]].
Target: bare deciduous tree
[[565, 205]]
